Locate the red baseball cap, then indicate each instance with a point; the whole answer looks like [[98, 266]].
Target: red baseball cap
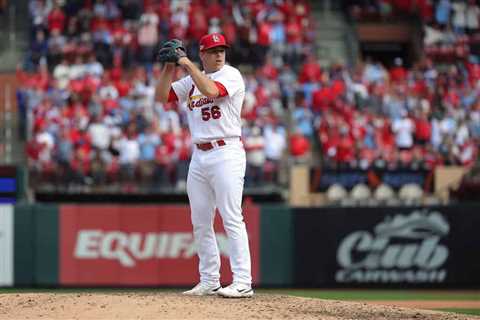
[[213, 40]]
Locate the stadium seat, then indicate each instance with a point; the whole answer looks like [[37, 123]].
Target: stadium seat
[[360, 194], [410, 194], [384, 194], [335, 193]]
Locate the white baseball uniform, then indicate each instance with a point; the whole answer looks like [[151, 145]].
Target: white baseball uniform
[[216, 172]]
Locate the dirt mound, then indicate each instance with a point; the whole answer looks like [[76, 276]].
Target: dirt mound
[[161, 305]]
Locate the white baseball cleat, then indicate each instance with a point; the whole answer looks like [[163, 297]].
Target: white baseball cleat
[[236, 290], [203, 289]]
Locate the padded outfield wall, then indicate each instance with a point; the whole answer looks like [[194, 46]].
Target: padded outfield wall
[[152, 245]]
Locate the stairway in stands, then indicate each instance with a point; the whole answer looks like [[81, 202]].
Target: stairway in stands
[[14, 26], [12, 145], [14, 40], [335, 38]]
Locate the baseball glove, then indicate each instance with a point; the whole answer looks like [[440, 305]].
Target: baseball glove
[[171, 51]]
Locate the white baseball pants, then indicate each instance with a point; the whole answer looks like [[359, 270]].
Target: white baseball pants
[[215, 180]]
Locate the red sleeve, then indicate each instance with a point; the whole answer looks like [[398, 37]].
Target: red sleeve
[[222, 92], [172, 96]]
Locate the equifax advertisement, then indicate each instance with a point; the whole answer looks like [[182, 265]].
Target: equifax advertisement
[[115, 245]]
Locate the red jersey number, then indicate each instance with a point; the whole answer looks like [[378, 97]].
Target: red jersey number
[[211, 113]]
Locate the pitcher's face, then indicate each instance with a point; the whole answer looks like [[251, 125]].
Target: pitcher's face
[[213, 59]]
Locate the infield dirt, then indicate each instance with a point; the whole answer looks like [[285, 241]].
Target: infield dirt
[[161, 305]]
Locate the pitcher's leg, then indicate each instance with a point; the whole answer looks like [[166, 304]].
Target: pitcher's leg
[[202, 206], [229, 179]]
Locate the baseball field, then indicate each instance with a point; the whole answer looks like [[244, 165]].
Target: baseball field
[[266, 304]]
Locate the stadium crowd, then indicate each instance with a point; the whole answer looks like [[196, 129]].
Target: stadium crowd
[[88, 86], [450, 27], [88, 95], [438, 95]]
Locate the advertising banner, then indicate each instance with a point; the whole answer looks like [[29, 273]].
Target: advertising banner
[[8, 184], [6, 245], [402, 246], [139, 245]]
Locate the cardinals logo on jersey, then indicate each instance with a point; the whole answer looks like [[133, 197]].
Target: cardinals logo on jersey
[[196, 101]]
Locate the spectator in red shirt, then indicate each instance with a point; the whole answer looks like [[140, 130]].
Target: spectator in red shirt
[[215, 10], [123, 85], [322, 99], [309, 76], [294, 35], [183, 153], [229, 30], [263, 42], [299, 147], [56, 19], [198, 25], [268, 69], [423, 129], [398, 74], [163, 165], [345, 147], [38, 80], [431, 157], [385, 138], [310, 70]]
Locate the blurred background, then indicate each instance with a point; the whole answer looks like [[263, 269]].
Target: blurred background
[[359, 116]]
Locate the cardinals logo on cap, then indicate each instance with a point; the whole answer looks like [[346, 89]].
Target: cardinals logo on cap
[[212, 40]]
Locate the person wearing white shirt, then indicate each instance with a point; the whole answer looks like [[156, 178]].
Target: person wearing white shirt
[[274, 148], [276, 137], [462, 134], [168, 119], [78, 69], [255, 147], [108, 91], [472, 16], [145, 93], [47, 141], [61, 73], [403, 129], [99, 134], [93, 67], [129, 150], [459, 16], [213, 100]]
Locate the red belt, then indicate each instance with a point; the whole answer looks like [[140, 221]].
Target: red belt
[[208, 145]]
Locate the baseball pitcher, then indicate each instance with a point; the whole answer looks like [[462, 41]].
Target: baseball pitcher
[[214, 100]]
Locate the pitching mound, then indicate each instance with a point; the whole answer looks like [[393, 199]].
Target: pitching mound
[[151, 305]]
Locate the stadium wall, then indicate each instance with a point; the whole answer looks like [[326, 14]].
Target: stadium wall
[[151, 245]]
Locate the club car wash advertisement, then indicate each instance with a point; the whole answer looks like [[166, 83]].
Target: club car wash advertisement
[[423, 247], [113, 245]]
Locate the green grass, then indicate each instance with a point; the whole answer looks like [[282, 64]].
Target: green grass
[[475, 312], [378, 294]]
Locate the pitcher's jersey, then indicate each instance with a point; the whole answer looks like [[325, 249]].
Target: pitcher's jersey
[[212, 118]]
